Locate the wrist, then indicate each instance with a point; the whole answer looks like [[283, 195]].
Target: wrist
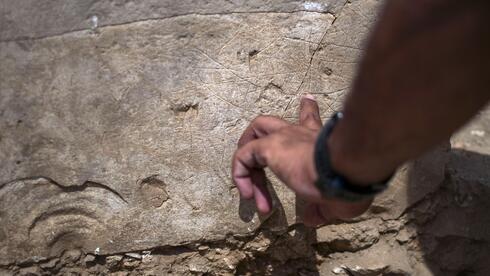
[[351, 156], [334, 183]]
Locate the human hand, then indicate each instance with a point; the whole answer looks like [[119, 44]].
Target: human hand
[[287, 150]]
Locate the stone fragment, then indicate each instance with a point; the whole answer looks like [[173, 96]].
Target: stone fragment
[[133, 255], [71, 256], [403, 236], [202, 247], [146, 256], [260, 243], [89, 258], [349, 237], [233, 260], [130, 263], [50, 264], [363, 271], [391, 226], [198, 265], [29, 271], [382, 257], [113, 261], [338, 270]]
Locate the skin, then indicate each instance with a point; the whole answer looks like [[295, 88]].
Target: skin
[[423, 75]]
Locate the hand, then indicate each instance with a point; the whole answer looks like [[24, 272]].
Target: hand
[[287, 149]]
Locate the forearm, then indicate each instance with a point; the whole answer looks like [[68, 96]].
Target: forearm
[[424, 74]]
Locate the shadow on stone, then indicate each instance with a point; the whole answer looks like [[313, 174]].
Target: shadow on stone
[[289, 250], [453, 225]]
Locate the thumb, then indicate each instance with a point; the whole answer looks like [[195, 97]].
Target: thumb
[[309, 113]]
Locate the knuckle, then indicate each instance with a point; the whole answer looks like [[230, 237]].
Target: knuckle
[[240, 142], [311, 120], [307, 116], [260, 119], [257, 119]]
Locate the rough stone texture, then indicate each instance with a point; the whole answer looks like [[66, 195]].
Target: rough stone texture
[[349, 237], [371, 261], [34, 19], [131, 108], [118, 129], [412, 183]]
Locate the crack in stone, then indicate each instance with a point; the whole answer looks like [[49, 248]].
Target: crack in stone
[[69, 189], [103, 26], [317, 48]]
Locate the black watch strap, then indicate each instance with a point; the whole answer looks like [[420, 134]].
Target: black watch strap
[[333, 184]]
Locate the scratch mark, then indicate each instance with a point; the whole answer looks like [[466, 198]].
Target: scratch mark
[[231, 39], [223, 66]]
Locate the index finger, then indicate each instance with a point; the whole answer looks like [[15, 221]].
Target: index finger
[[260, 127]]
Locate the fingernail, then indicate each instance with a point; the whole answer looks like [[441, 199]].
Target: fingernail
[[309, 97]]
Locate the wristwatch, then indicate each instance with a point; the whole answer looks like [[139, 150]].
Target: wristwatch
[[333, 184]]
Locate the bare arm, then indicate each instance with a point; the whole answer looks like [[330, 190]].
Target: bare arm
[[425, 72]]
